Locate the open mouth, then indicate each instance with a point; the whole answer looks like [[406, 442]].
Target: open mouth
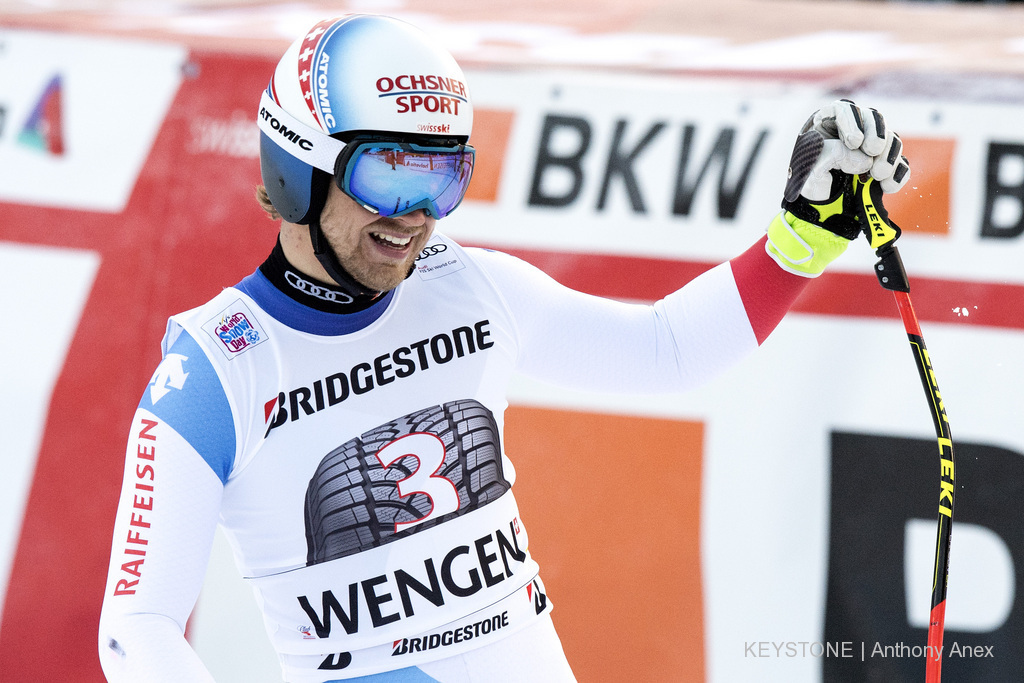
[[391, 241]]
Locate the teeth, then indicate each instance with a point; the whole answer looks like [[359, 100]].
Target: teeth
[[397, 241]]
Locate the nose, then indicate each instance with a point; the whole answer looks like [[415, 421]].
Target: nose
[[413, 218]]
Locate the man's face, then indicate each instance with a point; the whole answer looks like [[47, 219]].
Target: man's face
[[377, 252]]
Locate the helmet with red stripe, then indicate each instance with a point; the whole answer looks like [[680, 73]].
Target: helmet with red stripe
[[356, 75]]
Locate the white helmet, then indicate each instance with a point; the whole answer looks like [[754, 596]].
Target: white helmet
[[357, 75]]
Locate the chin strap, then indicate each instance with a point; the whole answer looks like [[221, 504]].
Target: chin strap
[[325, 255]]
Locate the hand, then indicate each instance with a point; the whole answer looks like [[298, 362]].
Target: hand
[[840, 141], [845, 157]]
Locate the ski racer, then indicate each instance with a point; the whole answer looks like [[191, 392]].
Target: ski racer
[[339, 411]]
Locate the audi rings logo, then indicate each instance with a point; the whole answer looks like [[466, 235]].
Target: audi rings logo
[[307, 287], [432, 250]]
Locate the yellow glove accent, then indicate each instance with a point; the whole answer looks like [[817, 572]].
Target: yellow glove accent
[[800, 247], [826, 211]]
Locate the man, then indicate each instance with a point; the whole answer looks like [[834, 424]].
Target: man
[[339, 412]]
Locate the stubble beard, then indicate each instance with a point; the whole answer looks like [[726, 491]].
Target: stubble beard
[[380, 277]]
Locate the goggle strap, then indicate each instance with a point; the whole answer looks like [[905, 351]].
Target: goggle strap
[[301, 141]]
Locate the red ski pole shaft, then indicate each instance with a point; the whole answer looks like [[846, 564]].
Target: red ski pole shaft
[[892, 276]]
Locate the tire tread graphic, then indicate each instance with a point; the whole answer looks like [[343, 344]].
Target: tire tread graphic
[[352, 502]]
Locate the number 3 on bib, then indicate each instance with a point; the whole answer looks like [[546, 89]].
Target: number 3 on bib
[[429, 453]]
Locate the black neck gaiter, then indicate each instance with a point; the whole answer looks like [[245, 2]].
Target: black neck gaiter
[[310, 292]]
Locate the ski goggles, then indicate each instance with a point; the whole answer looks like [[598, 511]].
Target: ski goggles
[[392, 177], [387, 176]]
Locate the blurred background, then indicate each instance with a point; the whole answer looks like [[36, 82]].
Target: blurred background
[[776, 525]]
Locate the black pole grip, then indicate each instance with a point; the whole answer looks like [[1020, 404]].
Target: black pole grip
[[889, 269]]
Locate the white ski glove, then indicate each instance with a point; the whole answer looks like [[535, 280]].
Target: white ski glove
[[838, 144], [853, 140]]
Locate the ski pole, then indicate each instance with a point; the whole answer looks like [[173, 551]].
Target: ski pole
[[882, 233]]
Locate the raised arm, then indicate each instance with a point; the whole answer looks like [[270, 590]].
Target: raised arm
[[691, 335]]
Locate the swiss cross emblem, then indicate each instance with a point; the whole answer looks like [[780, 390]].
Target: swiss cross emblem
[[307, 52]]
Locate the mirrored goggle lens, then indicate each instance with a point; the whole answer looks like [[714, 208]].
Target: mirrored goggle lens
[[398, 178]]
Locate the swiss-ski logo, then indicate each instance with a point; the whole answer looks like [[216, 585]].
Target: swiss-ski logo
[[169, 375]]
